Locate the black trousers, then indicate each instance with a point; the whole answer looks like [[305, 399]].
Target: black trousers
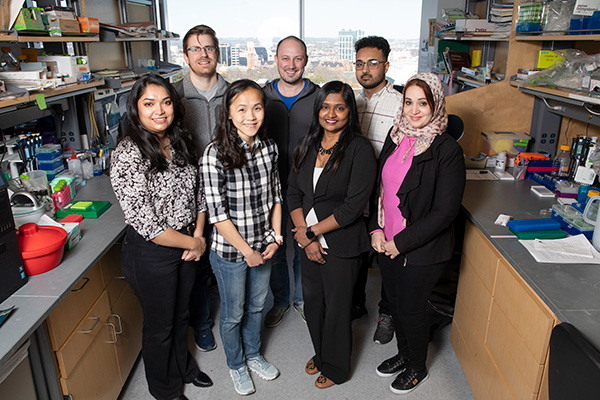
[[327, 291], [408, 288], [359, 298], [163, 283]]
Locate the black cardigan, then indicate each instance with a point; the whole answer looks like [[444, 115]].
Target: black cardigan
[[430, 198], [344, 194]]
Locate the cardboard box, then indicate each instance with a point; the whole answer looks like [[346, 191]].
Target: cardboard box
[[475, 25], [89, 25], [547, 58], [69, 25], [61, 14]]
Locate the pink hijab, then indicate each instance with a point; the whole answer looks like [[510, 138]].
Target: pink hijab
[[438, 123]]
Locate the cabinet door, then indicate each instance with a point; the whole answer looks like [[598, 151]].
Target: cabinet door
[[68, 314], [69, 355], [129, 341], [96, 376]]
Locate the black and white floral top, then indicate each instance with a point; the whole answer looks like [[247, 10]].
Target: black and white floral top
[[172, 198]]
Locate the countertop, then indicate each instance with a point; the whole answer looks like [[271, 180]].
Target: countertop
[[42, 293], [571, 291]]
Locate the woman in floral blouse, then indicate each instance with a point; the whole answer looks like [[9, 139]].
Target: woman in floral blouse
[[155, 179]]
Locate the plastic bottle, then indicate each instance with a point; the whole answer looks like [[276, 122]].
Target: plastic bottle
[[561, 162], [74, 164], [500, 161]]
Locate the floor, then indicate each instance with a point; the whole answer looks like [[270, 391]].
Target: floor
[[288, 347]]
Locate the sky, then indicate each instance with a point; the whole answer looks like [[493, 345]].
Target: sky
[[265, 19]]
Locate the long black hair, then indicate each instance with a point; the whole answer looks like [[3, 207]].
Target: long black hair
[[311, 141], [146, 141], [231, 154]]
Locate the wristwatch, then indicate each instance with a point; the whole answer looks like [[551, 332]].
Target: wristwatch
[[310, 235]]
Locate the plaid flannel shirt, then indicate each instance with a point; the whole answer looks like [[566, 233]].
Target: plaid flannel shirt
[[243, 195], [376, 115]]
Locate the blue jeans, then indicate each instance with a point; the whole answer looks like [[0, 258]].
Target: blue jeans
[[243, 293], [280, 277]]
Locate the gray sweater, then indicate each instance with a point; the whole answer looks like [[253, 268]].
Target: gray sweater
[[201, 115]]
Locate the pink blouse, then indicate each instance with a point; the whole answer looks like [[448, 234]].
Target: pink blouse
[[394, 171]]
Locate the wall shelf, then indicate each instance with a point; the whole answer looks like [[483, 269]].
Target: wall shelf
[[47, 39], [556, 38]]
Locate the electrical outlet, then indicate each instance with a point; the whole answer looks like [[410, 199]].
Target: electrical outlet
[[100, 94]]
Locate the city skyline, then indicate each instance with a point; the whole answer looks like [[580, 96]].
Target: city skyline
[[399, 19]]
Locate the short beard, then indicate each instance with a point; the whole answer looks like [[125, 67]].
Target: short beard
[[371, 85], [291, 82]]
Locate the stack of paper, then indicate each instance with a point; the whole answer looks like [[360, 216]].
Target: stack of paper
[[571, 250], [501, 13]]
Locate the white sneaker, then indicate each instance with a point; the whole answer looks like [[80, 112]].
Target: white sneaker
[[263, 368], [241, 381]]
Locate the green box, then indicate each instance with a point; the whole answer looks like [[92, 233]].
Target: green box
[[29, 19], [96, 209]]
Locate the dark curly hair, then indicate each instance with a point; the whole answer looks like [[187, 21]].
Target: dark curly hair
[[374, 41]]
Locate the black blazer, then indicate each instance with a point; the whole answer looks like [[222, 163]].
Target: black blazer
[[430, 198], [344, 194]]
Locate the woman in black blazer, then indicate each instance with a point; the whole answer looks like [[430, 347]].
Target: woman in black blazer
[[328, 189], [418, 193]]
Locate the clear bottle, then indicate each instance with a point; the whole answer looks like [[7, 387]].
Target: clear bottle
[[561, 162]]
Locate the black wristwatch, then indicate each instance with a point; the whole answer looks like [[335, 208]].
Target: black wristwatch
[[310, 235]]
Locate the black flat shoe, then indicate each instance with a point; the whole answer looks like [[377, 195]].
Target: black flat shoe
[[202, 380], [182, 397]]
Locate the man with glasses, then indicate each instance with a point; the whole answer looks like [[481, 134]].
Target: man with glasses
[[378, 103], [288, 113], [201, 91]]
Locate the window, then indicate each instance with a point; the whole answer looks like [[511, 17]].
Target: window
[[248, 33]]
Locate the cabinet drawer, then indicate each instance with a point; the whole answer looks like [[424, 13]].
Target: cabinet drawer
[[77, 344], [480, 252], [512, 355], [127, 317], [476, 299], [68, 314], [524, 310], [96, 376]]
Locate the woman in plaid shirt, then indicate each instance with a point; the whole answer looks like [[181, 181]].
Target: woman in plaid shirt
[[243, 195]]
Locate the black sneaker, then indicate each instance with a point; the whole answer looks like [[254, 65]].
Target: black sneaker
[[275, 315], [392, 366], [385, 329], [408, 381]]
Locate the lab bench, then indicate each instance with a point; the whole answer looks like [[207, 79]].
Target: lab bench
[[43, 295], [507, 303]]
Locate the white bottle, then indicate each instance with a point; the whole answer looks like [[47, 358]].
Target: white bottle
[[501, 161]]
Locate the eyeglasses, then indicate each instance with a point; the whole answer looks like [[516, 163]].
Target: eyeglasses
[[372, 64], [198, 49]]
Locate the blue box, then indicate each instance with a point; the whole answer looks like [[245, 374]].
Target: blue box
[[48, 152], [52, 174], [50, 165]]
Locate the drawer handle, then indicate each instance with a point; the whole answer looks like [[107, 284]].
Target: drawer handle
[[122, 277], [93, 326], [86, 279], [118, 317], [114, 330]]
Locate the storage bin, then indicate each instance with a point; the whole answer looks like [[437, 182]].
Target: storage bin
[[50, 165], [48, 152]]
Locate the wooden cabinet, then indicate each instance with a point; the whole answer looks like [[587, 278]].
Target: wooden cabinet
[[501, 330], [96, 332]]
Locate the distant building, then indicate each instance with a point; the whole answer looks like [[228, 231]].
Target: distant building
[[225, 57], [235, 54], [262, 54], [347, 38]]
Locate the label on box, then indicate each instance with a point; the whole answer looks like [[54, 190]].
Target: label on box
[[586, 7]]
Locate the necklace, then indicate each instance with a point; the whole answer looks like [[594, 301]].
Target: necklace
[[412, 146], [328, 151]]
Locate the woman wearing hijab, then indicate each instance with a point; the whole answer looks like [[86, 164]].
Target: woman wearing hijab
[[419, 189]]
